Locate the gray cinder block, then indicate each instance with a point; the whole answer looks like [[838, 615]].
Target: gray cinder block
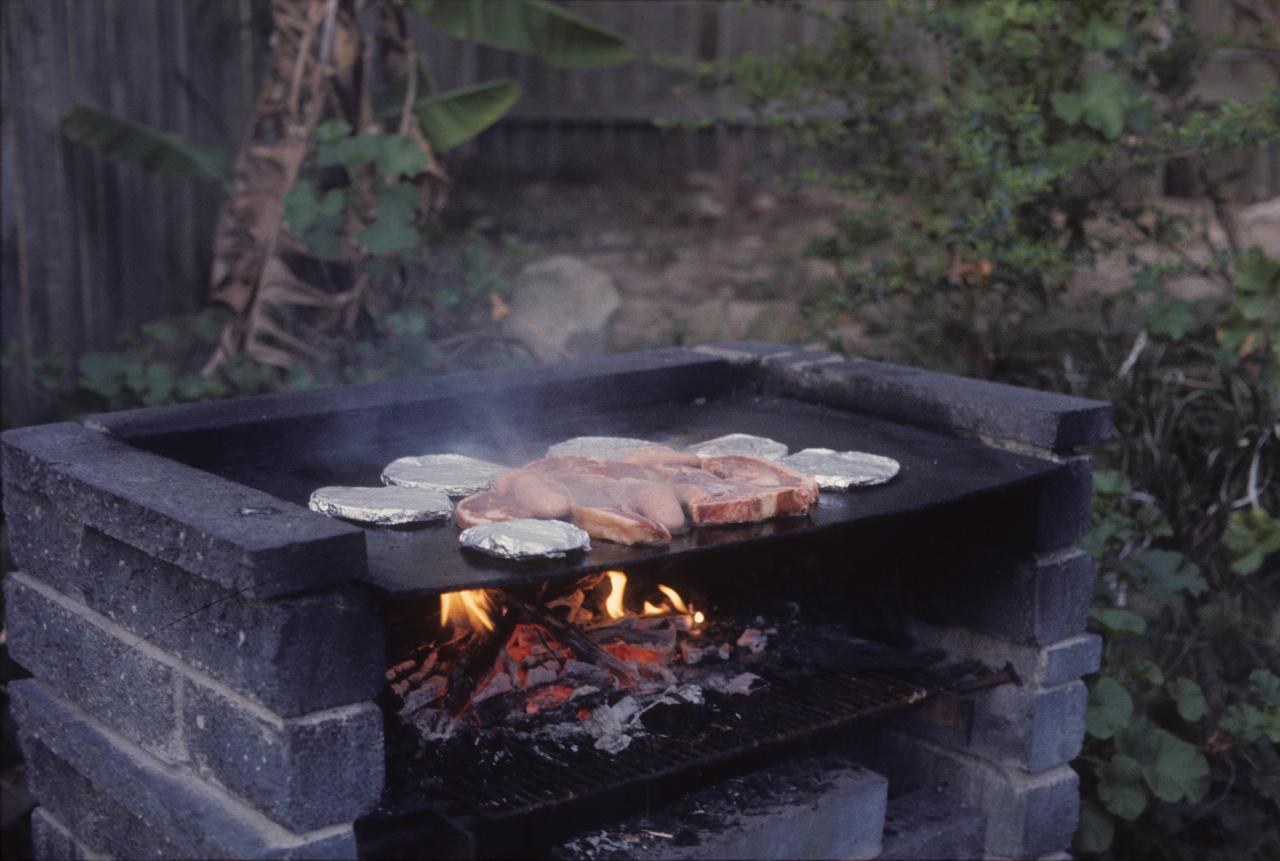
[[126, 687], [236, 536], [194, 819], [325, 649], [304, 773]]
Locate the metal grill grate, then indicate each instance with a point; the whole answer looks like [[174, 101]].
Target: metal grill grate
[[500, 779]]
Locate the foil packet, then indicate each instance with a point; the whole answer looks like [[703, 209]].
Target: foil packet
[[526, 538], [381, 506], [842, 470], [453, 474], [740, 444], [607, 447]]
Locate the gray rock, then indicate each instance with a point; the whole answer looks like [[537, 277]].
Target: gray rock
[[561, 305]]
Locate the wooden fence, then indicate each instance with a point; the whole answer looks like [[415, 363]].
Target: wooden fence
[[92, 249]]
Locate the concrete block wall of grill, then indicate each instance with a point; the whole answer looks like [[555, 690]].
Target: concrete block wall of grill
[[195, 693], [204, 659], [1010, 758]]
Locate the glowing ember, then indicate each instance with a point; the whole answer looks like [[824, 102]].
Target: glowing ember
[[468, 609], [617, 587]]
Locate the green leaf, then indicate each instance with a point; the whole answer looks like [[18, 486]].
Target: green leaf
[[1067, 106], [400, 156], [1120, 787], [393, 229], [1265, 685], [1251, 535], [1241, 720], [1103, 102], [456, 116], [1188, 698], [156, 152], [301, 207], [1178, 771], [331, 131], [102, 373], [1109, 710], [1096, 830], [160, 332], [549, 32], [1170, 318], [1117, 622], [1147, 671]]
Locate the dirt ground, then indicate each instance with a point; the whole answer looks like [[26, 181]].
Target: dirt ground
[[695, 258], [691, 261]]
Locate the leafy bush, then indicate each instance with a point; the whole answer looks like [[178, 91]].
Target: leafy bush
[[984, 180]]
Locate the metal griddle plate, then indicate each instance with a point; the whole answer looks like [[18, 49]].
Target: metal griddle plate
[[936, 470]]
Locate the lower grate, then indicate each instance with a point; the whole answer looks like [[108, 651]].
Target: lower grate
[[499, 778]]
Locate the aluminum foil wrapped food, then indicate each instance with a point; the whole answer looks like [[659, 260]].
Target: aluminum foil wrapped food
[[607, 447], [841, 470], [454, 474], [743, 444], [526, 538], [382, 506]]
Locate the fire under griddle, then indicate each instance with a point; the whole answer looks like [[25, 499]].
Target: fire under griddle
[[519, 795], [290, 462]]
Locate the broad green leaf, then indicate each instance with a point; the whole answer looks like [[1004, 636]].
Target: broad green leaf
[[1265, 685], [1096, 830], [1147, 671], [102, 373], [1117, 622], [1170, 318], [1165, 575], [1251, 535], [400, 156], [456, 116], [1109, 710], [1104, 100], [160, 332], [155, 151], [1067, 106], [1188, 698], [1178, 771], [1120, 787], [549, 32], [331, 131], [393, 229], [1242, 720], [300, 206], [358, 149]]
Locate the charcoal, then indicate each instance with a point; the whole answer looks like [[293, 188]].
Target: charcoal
[[753, 640]]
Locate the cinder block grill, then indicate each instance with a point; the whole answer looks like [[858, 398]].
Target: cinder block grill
[[206, 653]]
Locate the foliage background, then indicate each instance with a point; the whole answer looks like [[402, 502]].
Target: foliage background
[[985, 188]]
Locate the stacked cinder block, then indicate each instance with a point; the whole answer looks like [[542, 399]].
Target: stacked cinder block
[[1024, 606], [203, 668]]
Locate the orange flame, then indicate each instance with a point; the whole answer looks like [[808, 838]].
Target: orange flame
[[617, 590], [617, 587], [676, 600], [467, 608]]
